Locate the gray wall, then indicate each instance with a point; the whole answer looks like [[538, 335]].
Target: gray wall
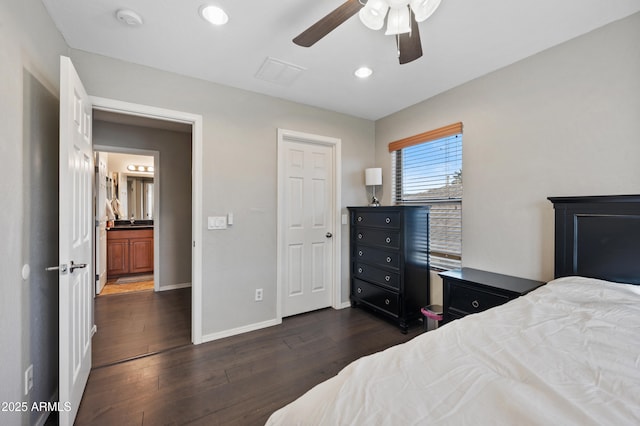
[[30, 47], [40, 203], [175, 191], [563, 122]]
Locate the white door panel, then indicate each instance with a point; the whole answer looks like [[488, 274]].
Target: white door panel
[[307, 225], [76, 240]]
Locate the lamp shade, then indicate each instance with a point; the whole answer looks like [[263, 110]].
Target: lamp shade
[[373, 176]]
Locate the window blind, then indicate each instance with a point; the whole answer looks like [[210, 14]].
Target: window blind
[[430, 173]]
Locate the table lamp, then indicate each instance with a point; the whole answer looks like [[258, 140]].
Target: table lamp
[[373, 177]]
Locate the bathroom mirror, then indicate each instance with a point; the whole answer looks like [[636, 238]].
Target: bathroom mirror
[[139, 198]]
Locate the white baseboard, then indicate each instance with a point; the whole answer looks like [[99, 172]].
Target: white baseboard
[[244, 329], [174, 286], [42, 419], [344, 305]]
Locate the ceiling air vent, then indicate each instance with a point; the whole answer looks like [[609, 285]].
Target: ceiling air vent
[[279, 72]]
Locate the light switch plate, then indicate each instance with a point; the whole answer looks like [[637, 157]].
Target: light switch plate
[[217, 222]]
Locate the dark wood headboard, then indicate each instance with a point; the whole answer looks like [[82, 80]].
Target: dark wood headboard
[[598, 237]]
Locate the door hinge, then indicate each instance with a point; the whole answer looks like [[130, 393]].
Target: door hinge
[[97, 277]]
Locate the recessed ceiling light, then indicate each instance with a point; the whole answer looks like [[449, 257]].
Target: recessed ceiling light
[[363, 72], [214, 14], [129, 17]]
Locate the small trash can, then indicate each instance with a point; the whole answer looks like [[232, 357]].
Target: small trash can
[[432, 316]]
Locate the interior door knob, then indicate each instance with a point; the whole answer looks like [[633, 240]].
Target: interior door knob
[[329, 235], [75, 266]]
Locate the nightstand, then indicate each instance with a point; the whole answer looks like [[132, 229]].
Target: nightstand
[[467, 291]]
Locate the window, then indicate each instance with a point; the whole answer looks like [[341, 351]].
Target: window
[[428, 171]]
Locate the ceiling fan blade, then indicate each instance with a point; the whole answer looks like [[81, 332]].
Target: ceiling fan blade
[[409, 44], [327, 24]]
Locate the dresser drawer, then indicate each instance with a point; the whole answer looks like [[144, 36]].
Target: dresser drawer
[[471, 300], [377, 275], [377, 297], [378, 219], [378, 237], [380, 257]]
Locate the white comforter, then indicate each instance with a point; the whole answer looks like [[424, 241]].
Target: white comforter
[[566, 354]]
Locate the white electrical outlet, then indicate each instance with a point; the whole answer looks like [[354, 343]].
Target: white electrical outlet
[[258, 295], [28, 379]]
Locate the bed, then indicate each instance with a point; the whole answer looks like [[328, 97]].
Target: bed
[[566, 353]]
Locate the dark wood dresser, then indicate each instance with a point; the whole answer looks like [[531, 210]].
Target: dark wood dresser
[[467, 291], [390, 260]]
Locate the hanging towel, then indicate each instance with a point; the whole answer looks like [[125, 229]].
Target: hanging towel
[[109, 211], [115, 206]]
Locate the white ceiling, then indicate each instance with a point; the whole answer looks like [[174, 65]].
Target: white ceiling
[[463, 40]]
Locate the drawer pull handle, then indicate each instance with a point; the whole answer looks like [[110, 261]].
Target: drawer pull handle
[[359, 218], [360, 253], [359, 236], [359, 290], [388, 220], [475, 304], [387, 301], [388, 259], [388, 240], [359, 270], [387, 278]]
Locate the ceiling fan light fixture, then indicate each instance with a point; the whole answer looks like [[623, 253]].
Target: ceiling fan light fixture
[[398, 21], [397, 3], [373, 13], [214, 15], [423, 9]]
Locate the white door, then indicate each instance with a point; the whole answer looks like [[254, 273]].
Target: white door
[[307, 225], [102, 198], [76, 240]]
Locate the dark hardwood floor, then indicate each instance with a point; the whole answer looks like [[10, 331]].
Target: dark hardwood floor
[[135, 324], [239, 380]]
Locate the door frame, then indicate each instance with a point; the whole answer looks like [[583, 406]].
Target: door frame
[[335, 144], [196, 122], [157, 180]]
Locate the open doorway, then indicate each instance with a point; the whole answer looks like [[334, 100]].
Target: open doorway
[[149, 173], [127, 197]]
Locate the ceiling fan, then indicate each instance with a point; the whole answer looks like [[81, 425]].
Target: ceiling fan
[[402, 18]]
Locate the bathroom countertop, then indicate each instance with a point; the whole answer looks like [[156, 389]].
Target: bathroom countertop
[[129, 227], [121, 225]]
